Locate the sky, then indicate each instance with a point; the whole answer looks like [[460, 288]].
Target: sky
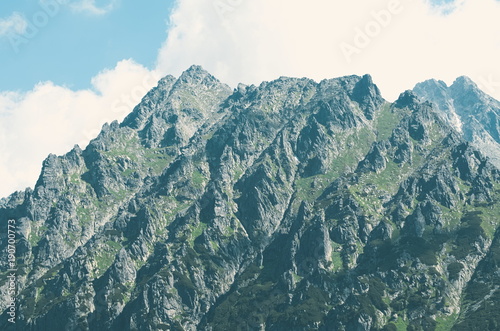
[[69, 66]]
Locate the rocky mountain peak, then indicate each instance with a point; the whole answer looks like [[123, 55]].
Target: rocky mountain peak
[[464, 82], [197, 75], [436, 89], [164, 83], [368, 95], [407, 99], [469, 110]]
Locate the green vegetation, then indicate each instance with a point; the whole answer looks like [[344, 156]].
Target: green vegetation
[[386, 121], [104, 257], [337, 259], [114, 245], [36, 234], [75, 178], [129, 147], [356, 146], [120, 293], [125, 146], [389, 178], [42, 298], [445, 323], [486, 317], [451, 217], [370, 203], [310, 188], [120, 195], [489, 212], [157, 159], [84, 215], [250, 309], [229, 231], [196, 231], [310, 311], [171, 207], [397, 325], [238, 172], [71, 239], [128, 172], [297, 278], [376, 293], [468, 234], [34, 238], [215, 245], [198, 179]]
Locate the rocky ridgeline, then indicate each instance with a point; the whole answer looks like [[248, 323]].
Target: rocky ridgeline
[[469, 110], [292, 205]]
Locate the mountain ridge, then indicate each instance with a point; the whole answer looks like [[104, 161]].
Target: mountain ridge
[[289, 205], [471, 111]]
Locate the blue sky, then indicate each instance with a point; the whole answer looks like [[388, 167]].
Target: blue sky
[[74, 45], [92, 61]]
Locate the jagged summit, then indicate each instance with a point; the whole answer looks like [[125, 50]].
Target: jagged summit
[[197, 75], [461, 81], [407, 99], [291, 205], [464, 82], [195, 70], [469, 110]]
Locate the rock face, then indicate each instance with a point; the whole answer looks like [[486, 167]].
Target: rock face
[[473, 113], [292, 205]]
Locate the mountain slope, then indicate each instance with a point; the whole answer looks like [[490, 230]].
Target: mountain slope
[[290, 205], [472, 112]]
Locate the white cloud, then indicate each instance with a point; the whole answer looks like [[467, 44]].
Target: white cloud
[[52, 119], [254, 40], [15, 23], [250, 41], [90, 6]]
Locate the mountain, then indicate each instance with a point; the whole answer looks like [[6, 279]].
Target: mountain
[[472, 112], [292, 205]]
